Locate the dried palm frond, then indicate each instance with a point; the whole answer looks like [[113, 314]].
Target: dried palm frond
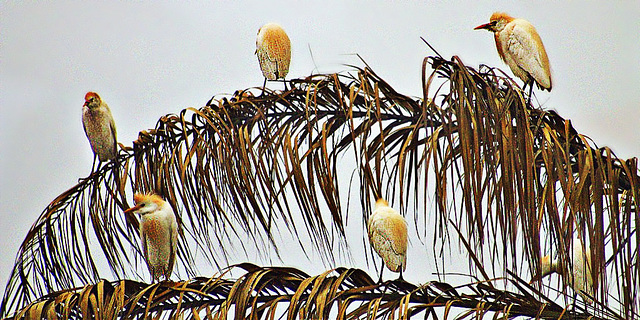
[[265, 293], [512, 180]]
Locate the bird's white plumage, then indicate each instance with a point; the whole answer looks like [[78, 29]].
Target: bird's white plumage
[[99, 127], [578, 275], [273, 48], [520, 47], [522, 52], [387, 231], [580, 278], [158, 234]]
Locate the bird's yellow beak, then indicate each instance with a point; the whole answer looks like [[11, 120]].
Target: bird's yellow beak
[[132, 209], [483, 26]]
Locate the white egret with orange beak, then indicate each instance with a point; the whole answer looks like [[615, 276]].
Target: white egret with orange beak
[[387, 231], [273, 48], [158, 233], [99, 127], [521, 48]]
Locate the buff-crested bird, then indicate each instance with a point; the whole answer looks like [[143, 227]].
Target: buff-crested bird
[[388, 236], [273, 48], [579, 275], [158, 233], [521, 48], [99, 127]]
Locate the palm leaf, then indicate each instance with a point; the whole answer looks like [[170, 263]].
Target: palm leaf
[[507, 176], [260, 293]]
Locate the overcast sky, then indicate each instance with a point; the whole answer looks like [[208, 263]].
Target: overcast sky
[[150, 59]]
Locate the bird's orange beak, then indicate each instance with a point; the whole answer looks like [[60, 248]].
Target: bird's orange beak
[[536, 277], [483, 26], [132, 209]]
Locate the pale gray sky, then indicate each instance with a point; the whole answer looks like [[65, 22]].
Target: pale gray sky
[[150, 59]]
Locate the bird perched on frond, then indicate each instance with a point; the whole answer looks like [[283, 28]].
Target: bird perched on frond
[[99, 127], [158, 233], [521, 48], [387, 231], [273, 49], [579, 276]]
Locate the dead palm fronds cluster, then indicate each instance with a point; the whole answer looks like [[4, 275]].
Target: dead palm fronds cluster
[[470, 156], [340, 293]]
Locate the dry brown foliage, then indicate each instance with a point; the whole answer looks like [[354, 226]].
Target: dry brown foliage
[[511, 180]]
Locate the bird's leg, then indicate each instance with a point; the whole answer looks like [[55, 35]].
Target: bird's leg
[[95, 156], [285, 85], [264, 85], [98, 169], [277, 74], [116, 171], [400, 277], [381, 270], [92, 169], [530, 92]]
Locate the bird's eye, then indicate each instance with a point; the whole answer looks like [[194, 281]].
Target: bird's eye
[[143, 204]]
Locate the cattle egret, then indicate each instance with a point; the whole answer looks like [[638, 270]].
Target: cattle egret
[[274, 52], [158, 232], [99, 127], [579, 277], [388, 237], [521, 48]]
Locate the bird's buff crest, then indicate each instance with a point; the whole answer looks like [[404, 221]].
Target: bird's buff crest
[[381, 202], [500, 16], [140, 197]]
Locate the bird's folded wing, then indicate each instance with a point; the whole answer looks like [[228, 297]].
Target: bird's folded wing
[[277, 47], [525, 46], [173, 247], [112, 125], [143, 238], [389, 236]]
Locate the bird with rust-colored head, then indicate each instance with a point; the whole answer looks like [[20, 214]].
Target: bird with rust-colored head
[[273, 49], [158, 233], [387, 231], [99, 127], [521, 48]]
